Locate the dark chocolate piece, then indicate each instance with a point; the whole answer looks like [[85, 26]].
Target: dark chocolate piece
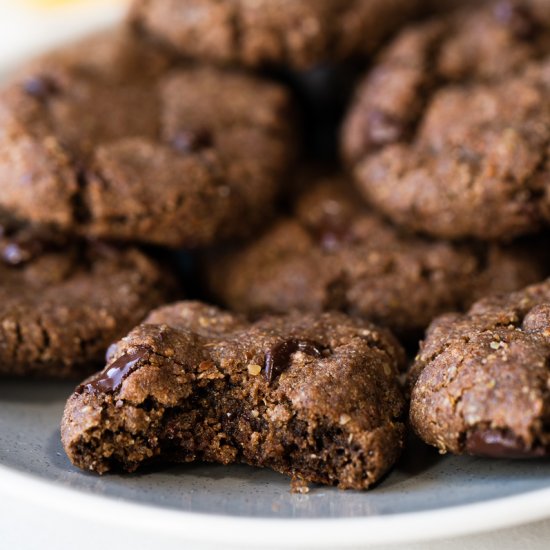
[[517, 16], [277, 359], [111, 379], [500, 444], [191, 141], [41, 87]]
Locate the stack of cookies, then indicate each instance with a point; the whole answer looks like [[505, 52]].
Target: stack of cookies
[[190, 129]]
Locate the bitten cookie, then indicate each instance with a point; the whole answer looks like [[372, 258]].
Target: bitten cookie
[[109, 138], [272, 32], [63, 302], [480, 384], [315, 397], [449, 133], [335, 253]]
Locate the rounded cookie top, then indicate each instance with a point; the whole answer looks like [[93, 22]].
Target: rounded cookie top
[[480, 382], [110, 138], [449, 133], [63, 302], [333, 253], [316, 397], [272, 32]]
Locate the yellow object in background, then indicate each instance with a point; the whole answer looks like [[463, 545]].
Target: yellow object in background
[[45, 4], [29, 27], [50, 3]]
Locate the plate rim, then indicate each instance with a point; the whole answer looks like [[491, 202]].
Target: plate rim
[[249, 532]]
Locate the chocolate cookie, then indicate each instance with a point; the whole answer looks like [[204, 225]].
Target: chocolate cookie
[[480, 384], [107, 138], [449, 134], [272, 32], [315, 397], [62, 303], [334, 253]]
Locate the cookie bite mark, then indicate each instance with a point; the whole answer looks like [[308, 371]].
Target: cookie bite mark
[[187, 385], [480, 382]]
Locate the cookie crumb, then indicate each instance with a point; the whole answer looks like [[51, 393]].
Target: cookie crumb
[[254, 370], [299, 486]]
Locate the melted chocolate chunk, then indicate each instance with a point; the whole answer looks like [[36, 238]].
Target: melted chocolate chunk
[[19, 247], [383, 128], [277, 359], [517, 18], [191, 141], [14, 254], [110, 379], [500, 444], [41, 87], [332, 234]]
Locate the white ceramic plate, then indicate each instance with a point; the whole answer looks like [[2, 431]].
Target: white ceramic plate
[[425, 497]]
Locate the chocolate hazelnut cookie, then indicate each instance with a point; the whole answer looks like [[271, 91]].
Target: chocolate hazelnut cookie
[[315, 397], [333, 253], [110, 139], [481, 382], [62, 303], [450, 132], [272, 32]]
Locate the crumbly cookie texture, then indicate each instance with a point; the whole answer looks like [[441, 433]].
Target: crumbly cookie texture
[[449, 134], [315, 397], [62, 302], [334, 253], [272, 32], [480, 384], [110, 138]]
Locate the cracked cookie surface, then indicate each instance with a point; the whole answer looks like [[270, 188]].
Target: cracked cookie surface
[[335, 253], [273, 32], [449, 134], [63, 302], [315, 397], [481, 382], [110, 138]]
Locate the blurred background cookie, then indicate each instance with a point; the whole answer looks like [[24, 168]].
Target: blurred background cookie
[[449, 132], [334, 253]]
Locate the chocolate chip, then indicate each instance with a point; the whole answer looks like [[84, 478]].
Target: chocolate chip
[[41, 87], [500, 444], [191, 141], [382, 128], [277, 359], [13, 254], [331, 234], [517, 18], [110, 379]]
